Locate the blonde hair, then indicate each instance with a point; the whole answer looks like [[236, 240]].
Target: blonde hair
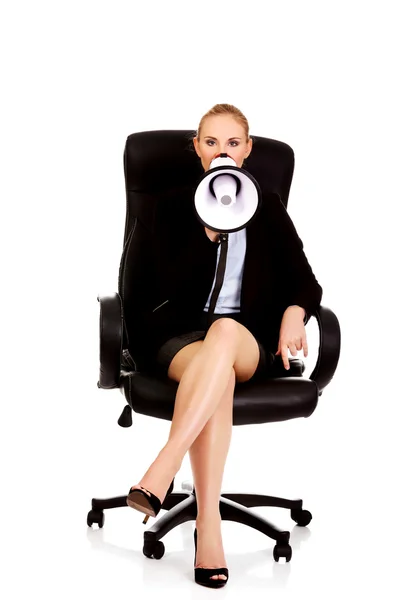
[[225, 109]]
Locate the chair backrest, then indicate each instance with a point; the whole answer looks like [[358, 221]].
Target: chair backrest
[[157, 162], [163, 164]]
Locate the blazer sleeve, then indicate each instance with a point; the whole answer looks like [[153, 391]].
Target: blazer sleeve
[[300, 284], [138, 274]]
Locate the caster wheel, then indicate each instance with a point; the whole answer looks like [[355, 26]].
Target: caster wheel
[[282, 551], [96, 516], [154, 549], [301, 517]]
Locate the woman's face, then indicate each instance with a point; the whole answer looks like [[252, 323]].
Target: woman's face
[[222, 133]]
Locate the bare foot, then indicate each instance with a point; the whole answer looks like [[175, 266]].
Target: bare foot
[[209, 553], [159, 475]]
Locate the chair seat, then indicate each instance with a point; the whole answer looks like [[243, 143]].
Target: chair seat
[[282, 396]]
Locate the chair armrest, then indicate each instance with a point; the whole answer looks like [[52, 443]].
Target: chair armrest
[[329, 347], [111, 340]]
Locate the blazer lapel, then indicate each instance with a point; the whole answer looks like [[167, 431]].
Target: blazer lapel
[[252, 270]]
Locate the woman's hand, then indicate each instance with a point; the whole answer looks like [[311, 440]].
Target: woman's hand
[[212, 235], [292, 334]]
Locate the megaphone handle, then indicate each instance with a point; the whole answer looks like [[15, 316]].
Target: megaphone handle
[[220, 275]]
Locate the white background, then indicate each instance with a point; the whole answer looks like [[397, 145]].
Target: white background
[[77, 78]]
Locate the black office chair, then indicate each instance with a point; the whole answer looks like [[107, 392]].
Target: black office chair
[[160, 165]]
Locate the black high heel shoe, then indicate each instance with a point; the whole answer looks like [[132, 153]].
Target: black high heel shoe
[[203, 576], [149, 505]]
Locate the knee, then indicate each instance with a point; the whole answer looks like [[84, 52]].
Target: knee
[[226, 330]]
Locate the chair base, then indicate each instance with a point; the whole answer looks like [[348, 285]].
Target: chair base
[[182, 507]]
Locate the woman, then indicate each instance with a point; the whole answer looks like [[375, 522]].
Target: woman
[[267, 274]]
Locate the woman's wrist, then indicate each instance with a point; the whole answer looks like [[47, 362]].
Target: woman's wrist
[[299, 309]]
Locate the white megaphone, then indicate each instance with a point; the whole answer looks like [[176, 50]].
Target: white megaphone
[[227, 198]]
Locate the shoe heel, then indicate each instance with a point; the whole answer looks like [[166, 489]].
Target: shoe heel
[[146, 518], [154, 504]]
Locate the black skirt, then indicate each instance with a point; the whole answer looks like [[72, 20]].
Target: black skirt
[[170, 348]]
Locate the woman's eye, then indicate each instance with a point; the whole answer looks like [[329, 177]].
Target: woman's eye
[[234, 142]]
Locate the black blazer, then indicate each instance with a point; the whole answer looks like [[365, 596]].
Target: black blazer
[[179, 266]]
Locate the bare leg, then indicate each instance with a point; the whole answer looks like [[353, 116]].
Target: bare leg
[[199, 393], [208, 456]]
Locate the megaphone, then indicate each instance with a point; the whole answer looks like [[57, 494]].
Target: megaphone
[[227, 197]]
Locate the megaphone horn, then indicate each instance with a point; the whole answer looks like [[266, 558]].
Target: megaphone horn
[[227, 198]]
